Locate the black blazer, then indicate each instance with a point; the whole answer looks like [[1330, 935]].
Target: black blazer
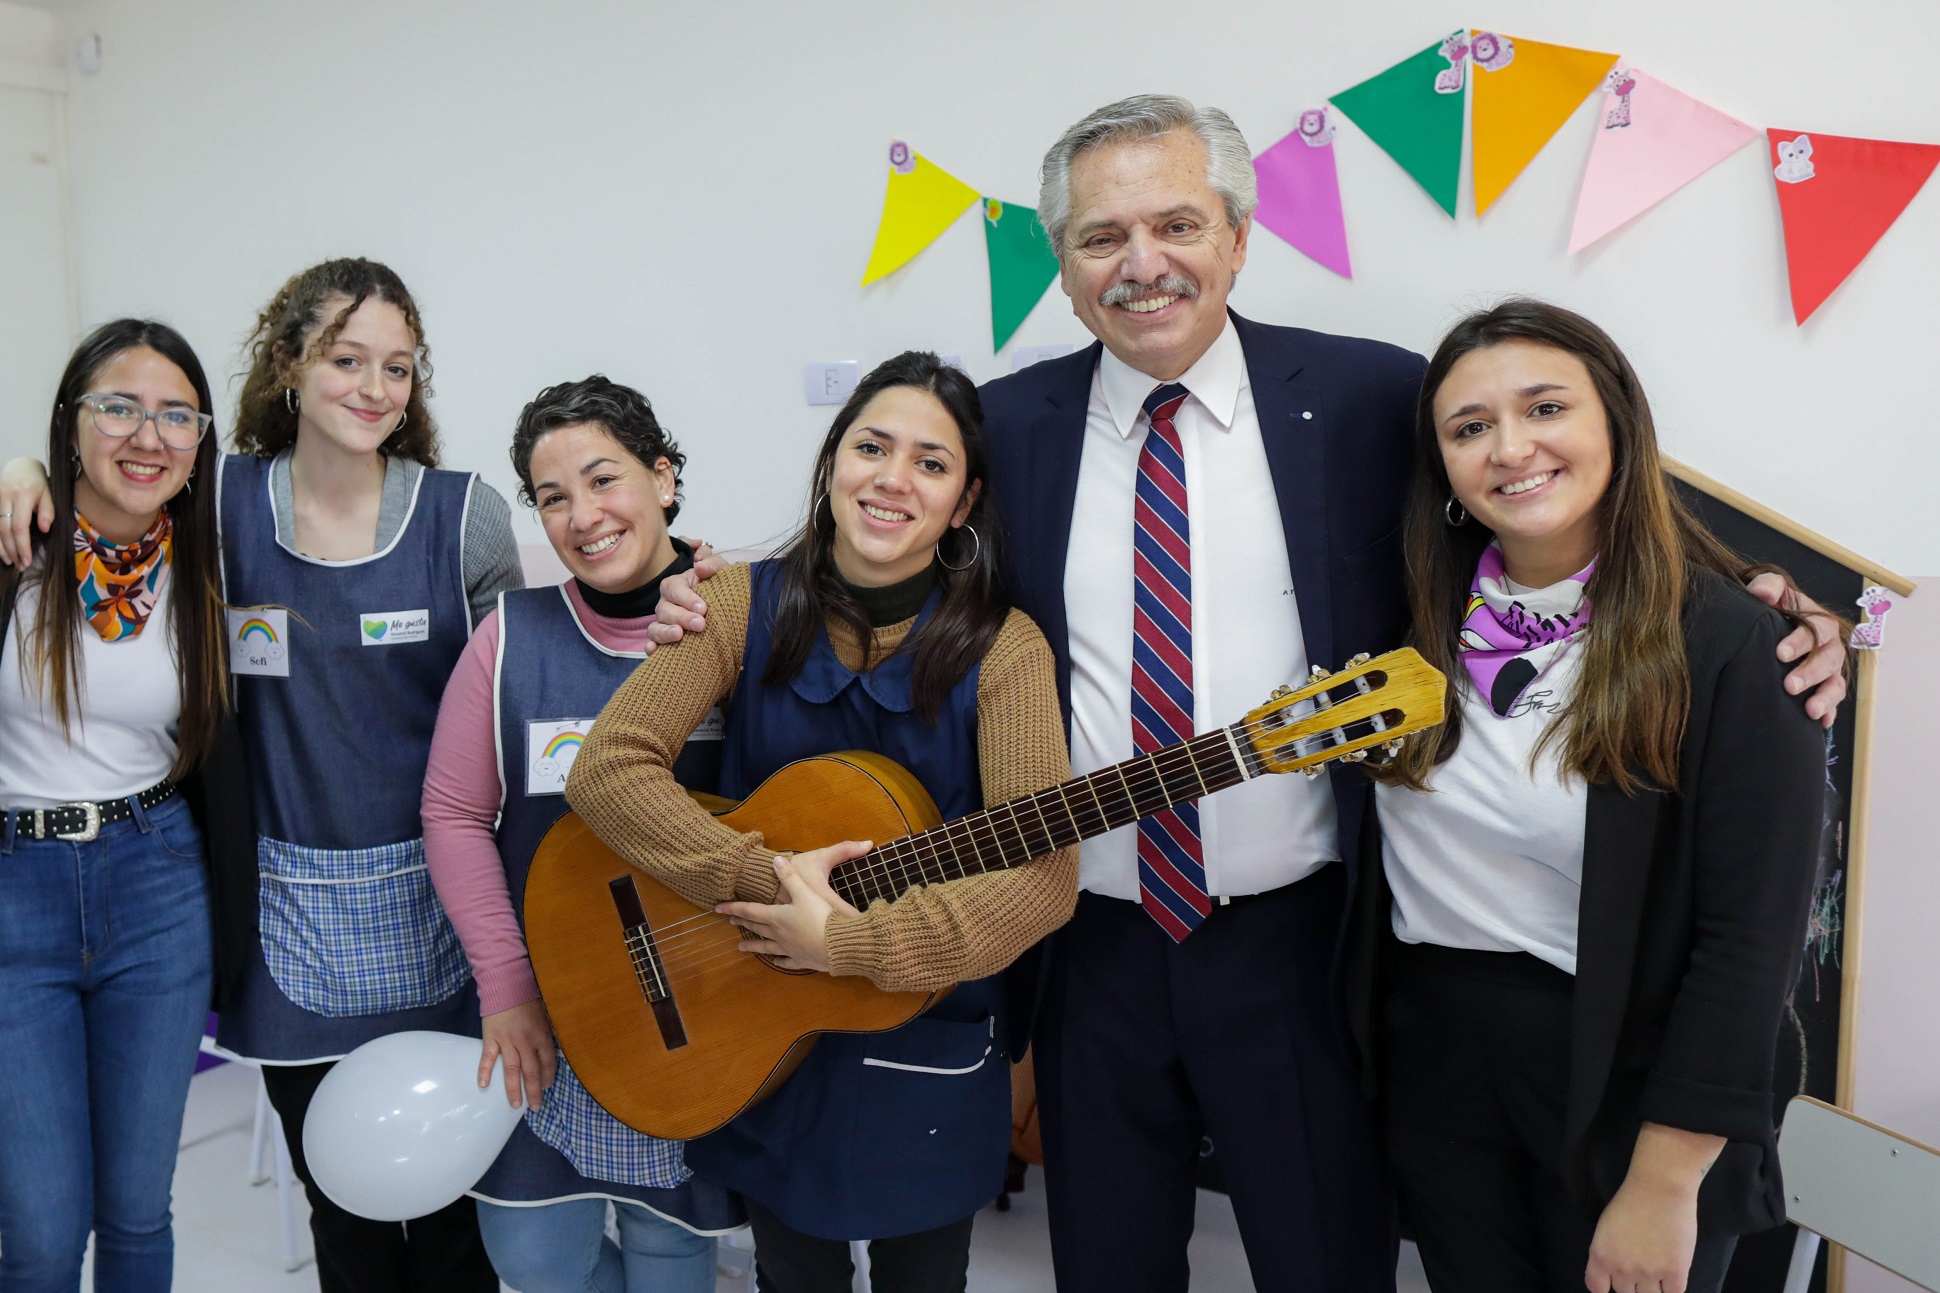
[[1336, 415], [1691, 924]]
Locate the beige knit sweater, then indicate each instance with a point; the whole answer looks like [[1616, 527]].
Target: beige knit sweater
[[931, 937]]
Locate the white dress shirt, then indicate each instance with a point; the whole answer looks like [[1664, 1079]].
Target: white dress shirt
[[1245, 624]]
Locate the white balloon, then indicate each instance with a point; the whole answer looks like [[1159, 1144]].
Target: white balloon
[[399, 1128]]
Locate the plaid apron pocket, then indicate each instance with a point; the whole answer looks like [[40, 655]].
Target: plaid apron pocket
[[355, 931], [598, 1145]]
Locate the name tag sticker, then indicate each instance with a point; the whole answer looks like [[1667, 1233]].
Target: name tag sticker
[[259, 643], [712, 728], [393, 628], [550, 749]]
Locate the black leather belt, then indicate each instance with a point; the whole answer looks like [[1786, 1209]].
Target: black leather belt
[[83, 822]]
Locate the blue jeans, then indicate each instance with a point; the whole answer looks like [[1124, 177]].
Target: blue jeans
[[563, 1248], [104, 990]]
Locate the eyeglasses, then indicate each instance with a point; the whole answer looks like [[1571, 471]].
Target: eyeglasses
[[118, 418]]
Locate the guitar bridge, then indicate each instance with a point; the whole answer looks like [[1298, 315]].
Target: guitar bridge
[[647, 966]]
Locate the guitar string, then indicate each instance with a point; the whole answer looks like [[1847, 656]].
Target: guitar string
[[1165, 762], [892, 855]]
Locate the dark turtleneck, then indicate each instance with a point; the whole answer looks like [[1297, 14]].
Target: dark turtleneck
[[637, 603], [892, 603]]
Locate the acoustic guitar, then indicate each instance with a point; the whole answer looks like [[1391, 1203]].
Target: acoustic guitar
[[675, 1031]]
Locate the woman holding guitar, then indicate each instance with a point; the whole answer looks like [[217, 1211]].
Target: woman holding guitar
[[1598, 911], [880, 627], [594, 461]]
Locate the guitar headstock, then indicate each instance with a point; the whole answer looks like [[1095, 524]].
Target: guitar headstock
[[1344, 715]]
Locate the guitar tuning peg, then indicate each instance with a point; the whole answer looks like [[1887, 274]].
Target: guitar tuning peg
[[1393, 747], [1320, 671], [1311, 771], [1359, 660], [1353, 756], [1282, 690]]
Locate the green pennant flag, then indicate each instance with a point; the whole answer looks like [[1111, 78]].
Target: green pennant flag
[[1414, 112], [1022, 265]]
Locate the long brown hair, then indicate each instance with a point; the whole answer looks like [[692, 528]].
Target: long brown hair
[[53, 642], [292, 332], [974, 604], [1633, 690]]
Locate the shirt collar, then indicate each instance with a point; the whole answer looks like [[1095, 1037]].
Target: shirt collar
[[1214, 381]]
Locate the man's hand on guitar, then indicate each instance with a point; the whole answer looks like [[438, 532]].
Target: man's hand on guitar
[[523, 1035], [795, 932]]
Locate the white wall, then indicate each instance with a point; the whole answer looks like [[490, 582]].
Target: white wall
[[683, 196]]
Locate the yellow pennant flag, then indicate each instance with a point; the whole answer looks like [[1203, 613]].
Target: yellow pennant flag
[[922, 201], [1524, 92]]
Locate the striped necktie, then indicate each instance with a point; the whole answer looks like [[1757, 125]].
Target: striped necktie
[[1171, 859]]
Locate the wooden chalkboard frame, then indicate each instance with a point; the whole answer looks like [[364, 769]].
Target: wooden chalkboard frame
[[1762, 534]]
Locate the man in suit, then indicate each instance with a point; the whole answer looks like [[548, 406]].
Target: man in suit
[[1198, 509]]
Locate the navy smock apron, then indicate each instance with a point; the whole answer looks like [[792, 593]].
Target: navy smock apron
[[882, 1134], [338, 669], [550, 680]]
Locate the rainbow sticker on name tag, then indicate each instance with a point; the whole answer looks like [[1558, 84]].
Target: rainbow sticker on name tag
[[259, 642], [550, 749]]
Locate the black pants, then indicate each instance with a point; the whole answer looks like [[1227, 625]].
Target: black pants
[[788, 1261], [1145, 1046], [440, 1252], [1475, 1072]]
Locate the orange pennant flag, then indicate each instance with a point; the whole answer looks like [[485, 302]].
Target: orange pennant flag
[[1524, 92]]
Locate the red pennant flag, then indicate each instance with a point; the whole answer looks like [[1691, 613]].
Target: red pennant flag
[[1838, 196]]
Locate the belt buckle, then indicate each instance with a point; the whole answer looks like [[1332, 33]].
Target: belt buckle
[[90, 830]]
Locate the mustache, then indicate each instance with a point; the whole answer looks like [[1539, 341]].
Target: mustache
[[1166, 285]]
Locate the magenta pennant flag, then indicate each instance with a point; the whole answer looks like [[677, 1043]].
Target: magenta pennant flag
[[1651, 140], [1300, 192]]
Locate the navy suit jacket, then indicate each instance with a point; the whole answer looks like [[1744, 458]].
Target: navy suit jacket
[[1336, 415]]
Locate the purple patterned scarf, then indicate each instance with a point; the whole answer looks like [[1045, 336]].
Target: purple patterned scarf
[[1509, 640]]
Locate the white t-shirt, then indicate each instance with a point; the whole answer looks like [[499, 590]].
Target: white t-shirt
[[123, 733], [1492, 860]]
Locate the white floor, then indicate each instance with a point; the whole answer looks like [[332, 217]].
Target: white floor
[[226, 1230]]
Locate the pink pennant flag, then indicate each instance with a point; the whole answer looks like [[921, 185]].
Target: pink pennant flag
[[1300, 192], [1651, 140]]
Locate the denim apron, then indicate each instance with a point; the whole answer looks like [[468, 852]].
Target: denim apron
[[550, 681], [338, 669], [881, 1134]]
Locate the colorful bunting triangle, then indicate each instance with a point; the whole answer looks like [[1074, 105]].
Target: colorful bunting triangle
[[1414, 112], [1300, 192], [1838, 196], [922, 201], [1651, 140], [1524, 92], [1022, 265]]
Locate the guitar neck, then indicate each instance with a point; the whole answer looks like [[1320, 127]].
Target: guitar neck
[[1013, 833]]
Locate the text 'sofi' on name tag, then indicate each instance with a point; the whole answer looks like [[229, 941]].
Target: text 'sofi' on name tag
[[259, 643], [393, 628]]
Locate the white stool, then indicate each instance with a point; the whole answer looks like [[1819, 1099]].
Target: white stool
[[269, 1159]]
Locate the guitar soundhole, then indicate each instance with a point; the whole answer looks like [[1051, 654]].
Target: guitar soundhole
[[647, 965]]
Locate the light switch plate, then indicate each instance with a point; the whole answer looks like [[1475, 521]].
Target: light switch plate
[[1024, 356], [830, 381]]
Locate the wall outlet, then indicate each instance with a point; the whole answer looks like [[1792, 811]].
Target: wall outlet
[[830, 381]]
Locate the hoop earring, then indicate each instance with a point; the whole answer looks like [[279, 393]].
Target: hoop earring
[[188, 486], [289, 398], [401, 421], [976, 551], [1454, 513], [815, 510]]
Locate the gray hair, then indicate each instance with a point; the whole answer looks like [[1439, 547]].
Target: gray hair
[[1229, 162]]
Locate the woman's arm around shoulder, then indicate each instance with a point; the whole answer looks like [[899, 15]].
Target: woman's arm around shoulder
[[939, 935], [623, 784], [1754, 785]]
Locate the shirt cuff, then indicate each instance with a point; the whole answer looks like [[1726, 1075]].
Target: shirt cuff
[[850, 942], [757, 882], [502, 989]]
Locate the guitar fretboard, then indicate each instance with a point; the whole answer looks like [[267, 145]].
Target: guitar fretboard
[[1013, 833]]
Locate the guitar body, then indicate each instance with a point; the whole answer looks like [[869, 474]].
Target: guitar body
[[740, 1025]]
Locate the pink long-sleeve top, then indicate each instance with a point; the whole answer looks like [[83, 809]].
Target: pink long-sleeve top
[[461, 804]]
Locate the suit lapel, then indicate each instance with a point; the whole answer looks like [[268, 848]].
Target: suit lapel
[[1296, 454]]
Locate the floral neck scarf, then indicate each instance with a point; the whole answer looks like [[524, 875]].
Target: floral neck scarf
[[1510, 639], [118, 582]]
